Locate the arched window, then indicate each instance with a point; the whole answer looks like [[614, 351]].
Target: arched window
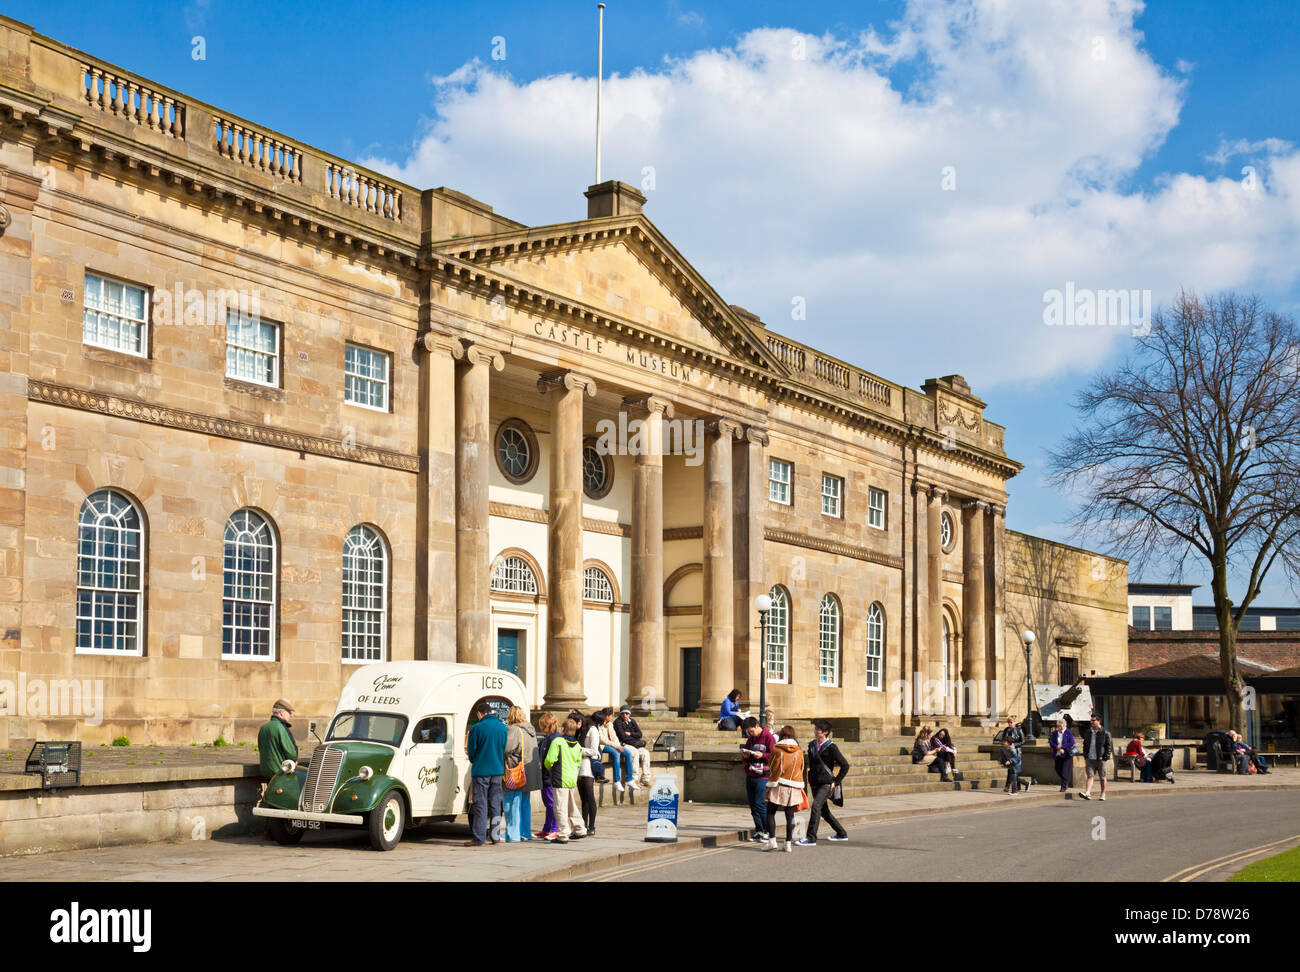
[[875, 646], [110, 575], [596, 586], [513, 575], [778, 635], [828, 655], [365, 595], [248, 607]]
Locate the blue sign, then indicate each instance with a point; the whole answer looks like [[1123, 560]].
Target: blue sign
[[661, 812]]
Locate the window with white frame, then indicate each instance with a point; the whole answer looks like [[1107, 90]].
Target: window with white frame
[[115, 315], [110, 575], [876, 500], [365, 595], [596, 586], [828, 654], [252, 349], [514, 575], [365, 377], [778, 635], [248, 609], [779, 474], [875, 646], [832, 495]]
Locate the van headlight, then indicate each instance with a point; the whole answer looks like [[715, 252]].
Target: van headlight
[[288, 766], [365, 773]]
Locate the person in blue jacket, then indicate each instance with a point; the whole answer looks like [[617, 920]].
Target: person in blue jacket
[[731, 717], [486, 748]]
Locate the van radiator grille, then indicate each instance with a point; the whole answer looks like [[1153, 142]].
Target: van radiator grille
[[321, 777]]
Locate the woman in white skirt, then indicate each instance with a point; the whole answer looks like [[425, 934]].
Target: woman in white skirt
[[784, 786]]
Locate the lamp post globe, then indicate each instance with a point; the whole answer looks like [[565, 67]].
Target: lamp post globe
[[763, 603]]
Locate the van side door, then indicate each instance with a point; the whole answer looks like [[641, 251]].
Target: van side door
[[431, 767]]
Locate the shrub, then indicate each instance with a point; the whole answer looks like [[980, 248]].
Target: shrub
[[121, 741], [220, 741]]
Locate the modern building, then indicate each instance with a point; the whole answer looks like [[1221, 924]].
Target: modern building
[[266, 415], [1169, 607]]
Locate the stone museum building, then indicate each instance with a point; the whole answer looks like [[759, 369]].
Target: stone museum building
[[266, 415]]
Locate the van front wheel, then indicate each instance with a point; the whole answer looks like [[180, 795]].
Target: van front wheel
[[282, 833], [387, 821]]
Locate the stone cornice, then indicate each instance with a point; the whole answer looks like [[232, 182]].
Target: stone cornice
[[683, 533], [836, 547], [98, 402], [531, 514]]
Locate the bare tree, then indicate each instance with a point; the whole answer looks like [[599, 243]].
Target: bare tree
[[1191, 448]]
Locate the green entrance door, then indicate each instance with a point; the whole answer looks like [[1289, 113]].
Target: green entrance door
[[508, 650], [690, 680]]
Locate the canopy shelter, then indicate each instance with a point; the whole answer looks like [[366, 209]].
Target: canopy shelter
[[1196, 676]]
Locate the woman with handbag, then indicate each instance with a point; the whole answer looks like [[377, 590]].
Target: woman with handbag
[[523, 775], [1061, 742], [785, 787]]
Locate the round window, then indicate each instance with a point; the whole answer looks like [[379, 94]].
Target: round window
[[516, 451], [947, 531], [597, 471]]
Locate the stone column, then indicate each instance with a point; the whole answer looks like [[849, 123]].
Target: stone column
[[473, 555], [973, 606], [749, 477], [435, 502], [646, 690], [564, 675], [915, 663], [934, 538], [997, 667], [717, 673]]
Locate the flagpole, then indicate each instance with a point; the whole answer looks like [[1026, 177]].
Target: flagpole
[[600, 70]]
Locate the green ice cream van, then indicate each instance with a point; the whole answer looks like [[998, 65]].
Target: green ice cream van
[[394, 752]]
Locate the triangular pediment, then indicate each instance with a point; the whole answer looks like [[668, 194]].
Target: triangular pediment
[[620, 266]]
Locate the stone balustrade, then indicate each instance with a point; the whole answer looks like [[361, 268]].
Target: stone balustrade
[[252, 148], [788, 354], [829, 372], [129, 99], [346, 184]]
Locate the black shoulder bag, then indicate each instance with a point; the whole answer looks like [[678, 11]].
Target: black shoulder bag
[[837, 791]]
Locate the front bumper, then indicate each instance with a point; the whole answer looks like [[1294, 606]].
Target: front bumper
[[334, 818]]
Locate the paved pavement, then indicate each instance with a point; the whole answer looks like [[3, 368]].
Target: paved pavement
[[1198, 836], [435, 853]]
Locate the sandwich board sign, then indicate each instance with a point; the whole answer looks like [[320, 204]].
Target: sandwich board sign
[[661, 812]]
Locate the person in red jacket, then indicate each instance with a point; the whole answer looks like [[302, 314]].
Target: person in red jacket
[[755, 752]]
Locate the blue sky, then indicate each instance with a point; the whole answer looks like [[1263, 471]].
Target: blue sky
[[1093, 142]]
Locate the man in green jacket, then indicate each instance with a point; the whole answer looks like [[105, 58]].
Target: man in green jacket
[[274, 740]]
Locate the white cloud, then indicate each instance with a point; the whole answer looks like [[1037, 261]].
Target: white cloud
[[779, 176]]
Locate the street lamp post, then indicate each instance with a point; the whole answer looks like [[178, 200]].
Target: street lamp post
[[1028, 638], [764, 604]]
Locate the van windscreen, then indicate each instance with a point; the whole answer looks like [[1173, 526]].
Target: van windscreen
[[380, 727]]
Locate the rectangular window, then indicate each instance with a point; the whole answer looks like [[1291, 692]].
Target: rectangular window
[[778, 638], [876, 499], [1069, 670], [1164, 618], [1142, 617], [365, 378], [115, 315], [832, 495], [779, 475], [252, 349]]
